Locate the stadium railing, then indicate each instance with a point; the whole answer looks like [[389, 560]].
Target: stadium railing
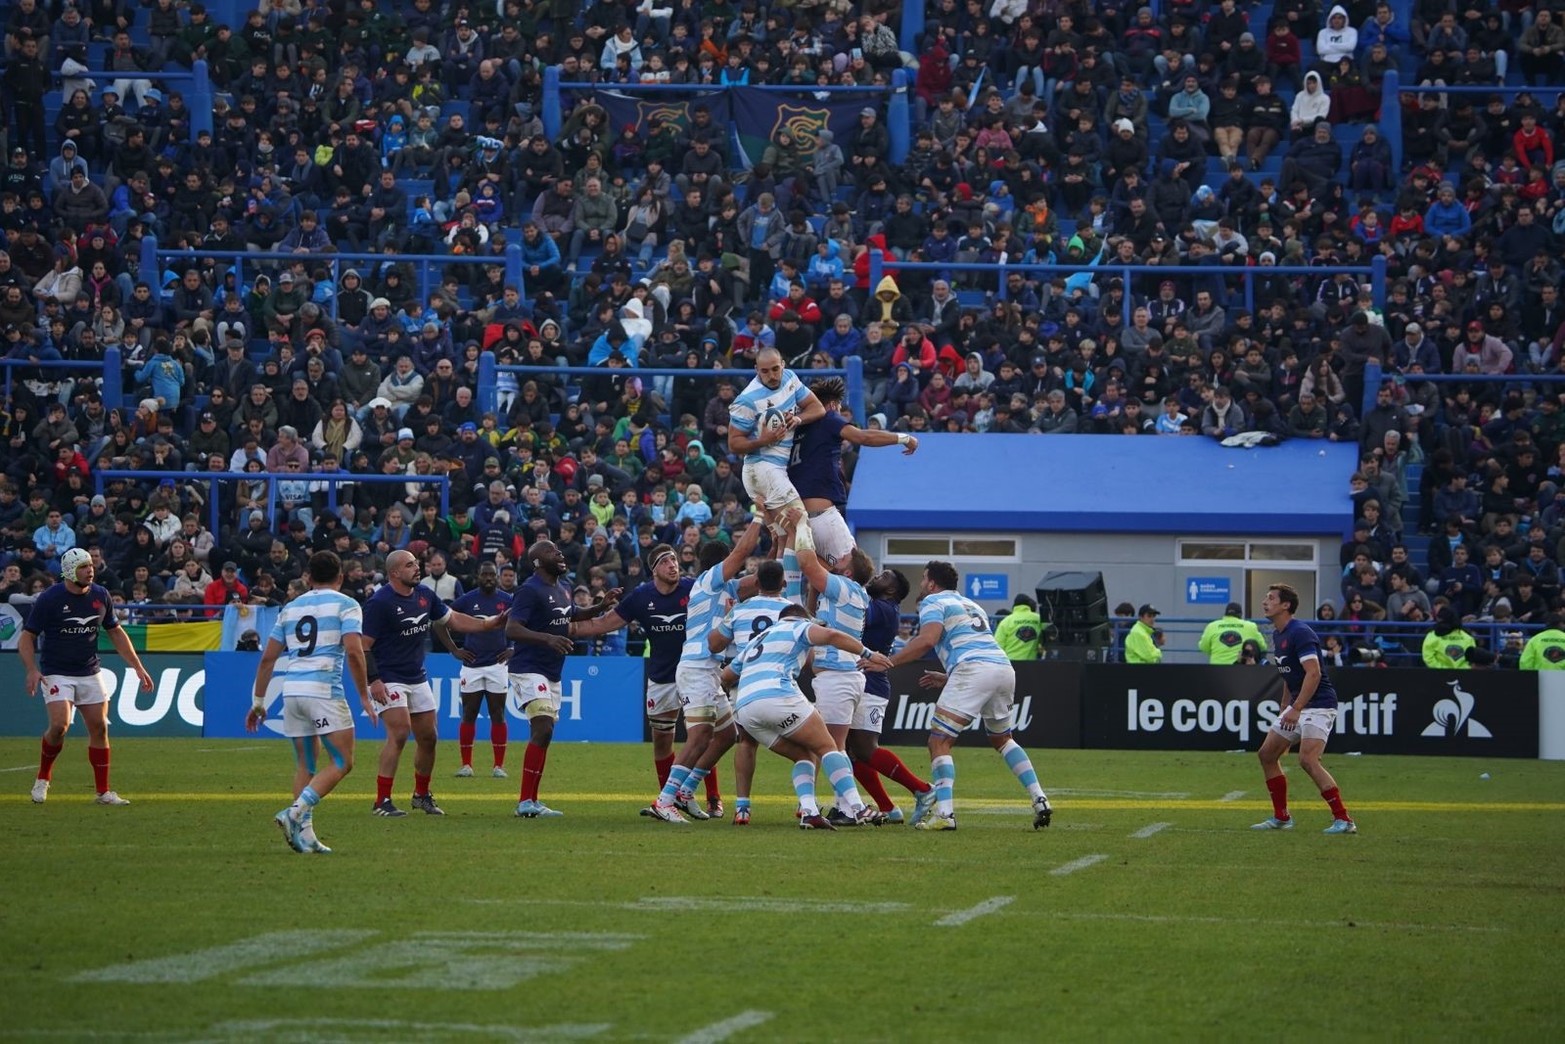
[[198, 99], [333, 479], [427, 267], [1376, 271], [1397, 641], [112, 388], [1392, 88], [1375, 374], [898, 118], [852, 373]]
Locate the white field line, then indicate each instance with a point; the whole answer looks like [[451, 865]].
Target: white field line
[[22, 768], [732, 904], [721, 1031], [1161, 795], [1078, 864], [395, 1029], [235, 750], [1150, 829], [988, 906], [1233, 795], [1250, 921]]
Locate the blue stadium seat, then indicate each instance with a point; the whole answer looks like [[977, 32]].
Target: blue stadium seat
[[460, 108]]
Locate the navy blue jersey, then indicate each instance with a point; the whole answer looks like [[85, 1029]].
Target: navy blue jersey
[[485, 645], [880, 630], [540, 606], [815, 469], [662, 620], [1296, 644], [68, 624], [399, 624]]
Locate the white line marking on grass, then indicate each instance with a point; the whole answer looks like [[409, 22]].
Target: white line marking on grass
[[1150, 829], [1233, 795], [740, 904], [1078, 864], [1161, 794], [22, 768], [217, 960], [235, 750], [988, 906], [1183, 919], [720, 1031], [381, 1029]]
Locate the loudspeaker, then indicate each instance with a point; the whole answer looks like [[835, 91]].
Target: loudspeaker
[[1097, 635], [1073, 599]]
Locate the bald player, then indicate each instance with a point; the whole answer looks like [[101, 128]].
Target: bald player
[[762, 421]]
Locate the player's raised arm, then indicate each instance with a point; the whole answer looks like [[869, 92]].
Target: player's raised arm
[[873, 439], [920, 644], [462, 623], [870, 659], [598, 625], [744, 547], [811, 409], [815, 573], [443, 634], [606, 601], [263, 681]]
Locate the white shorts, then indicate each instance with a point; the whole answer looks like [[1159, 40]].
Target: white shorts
[[494, 678], [768, 721], [1313, 724], [415, 699], [69, 688], [833, 542], [871, 715], [534, 696], [662, 699], [313, 716], [700, 684], [769, 483], [838, 695], [977, 689]]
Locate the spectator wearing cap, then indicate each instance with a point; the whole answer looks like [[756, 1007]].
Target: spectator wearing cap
[[227, 587], [283, 303], [1141, 641], [1491, 354]]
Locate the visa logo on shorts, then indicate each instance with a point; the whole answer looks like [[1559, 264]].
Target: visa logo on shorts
[[1371, 714], [918, 714]]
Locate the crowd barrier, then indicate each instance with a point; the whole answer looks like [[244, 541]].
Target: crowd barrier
[[1511, 714], [110, 370]]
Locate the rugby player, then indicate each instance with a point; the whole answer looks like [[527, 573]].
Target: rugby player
[[317, 630], [762, 420], [539, 627], [1308, 718], [67, 616], [745, 622], [887, 590], [483, 676], [978, 680], [815, 468], [771, 709], [397, 618]]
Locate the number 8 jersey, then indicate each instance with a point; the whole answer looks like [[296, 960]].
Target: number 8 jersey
[[967, 637], [311, 628]]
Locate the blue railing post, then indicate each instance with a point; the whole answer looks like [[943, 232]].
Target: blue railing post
[[487, 392], [113, 378], [854, 364], [151, 272], [214, 509], [551, 102], [899, 113], [1391, 115], [912, 24], [877, 272], [1124, 299], [1372, 378], [1377, 280], [514, 274], [200, 100]]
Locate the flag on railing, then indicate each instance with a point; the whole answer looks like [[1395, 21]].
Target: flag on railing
[[186, 636], [237, 619], [759, 115]]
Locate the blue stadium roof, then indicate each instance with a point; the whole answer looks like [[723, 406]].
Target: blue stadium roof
[[1085, 483]]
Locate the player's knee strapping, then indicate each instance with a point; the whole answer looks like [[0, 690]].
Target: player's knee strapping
[[332, 752], [662, 724], [698, 716], [945, 725]]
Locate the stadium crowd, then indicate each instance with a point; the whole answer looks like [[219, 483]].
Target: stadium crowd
[[1232, 137]]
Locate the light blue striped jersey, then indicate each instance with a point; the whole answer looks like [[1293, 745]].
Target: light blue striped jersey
[[793, 577], [311, 628], [768, 668], [842, 607], [748, 619], [709, 598], [759, 409], [966, 637]]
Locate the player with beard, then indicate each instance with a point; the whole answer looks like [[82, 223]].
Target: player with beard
[[67, 617], [483, 678], [539, 627], [397, 619]]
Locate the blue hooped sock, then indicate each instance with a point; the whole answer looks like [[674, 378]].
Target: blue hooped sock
[[1021, 766], [676, 776], [804, 786], [693, 780], [943, 769], [839, 769]]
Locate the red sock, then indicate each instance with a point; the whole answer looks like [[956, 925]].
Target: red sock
[[499, 736], [663, 766], [1333, 797], [713, 792], [1278, 785], [869, 782], [99, 756], [886, 762], [464, 740], [383, 786], [533, 759], [420, 784], [46, 759]]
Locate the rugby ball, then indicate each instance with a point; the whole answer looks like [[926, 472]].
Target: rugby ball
[[774, 420]]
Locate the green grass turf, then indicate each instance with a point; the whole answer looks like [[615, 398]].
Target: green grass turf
[[1441, 919]]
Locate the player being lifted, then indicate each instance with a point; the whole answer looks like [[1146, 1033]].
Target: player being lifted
[[397, 619], [318, 631], [483, 677], [539, 626], [815, 468], [1308, 718], [67, 617], [978, 680], [771, 709], [762, 421]]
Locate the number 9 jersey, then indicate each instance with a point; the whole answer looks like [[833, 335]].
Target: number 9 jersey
[[311, 629]]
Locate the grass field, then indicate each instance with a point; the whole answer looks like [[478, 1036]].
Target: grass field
[[1148, 910]]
